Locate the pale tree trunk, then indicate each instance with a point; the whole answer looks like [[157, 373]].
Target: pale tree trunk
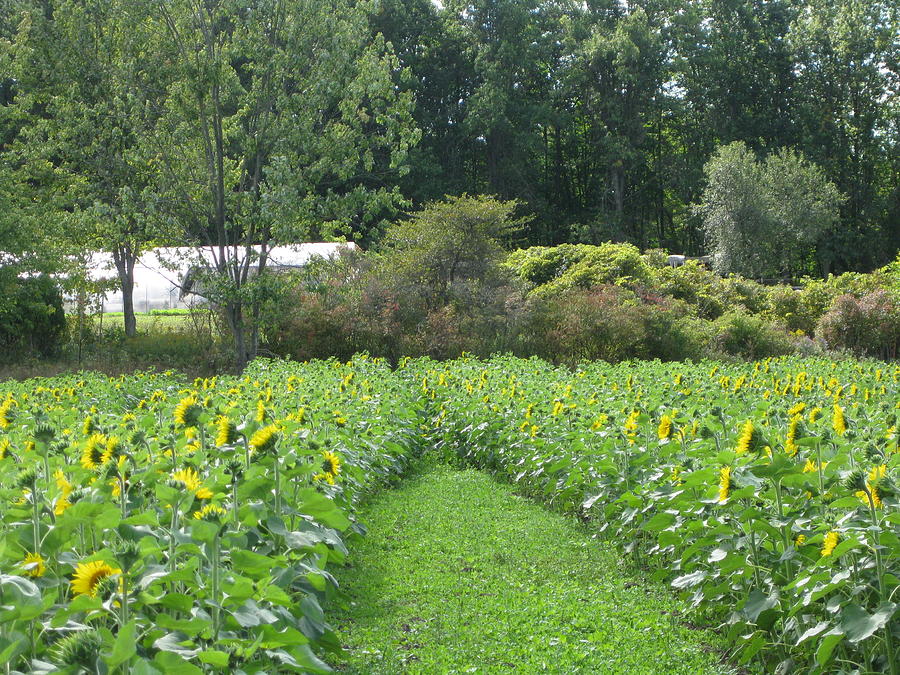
[[125, 261]]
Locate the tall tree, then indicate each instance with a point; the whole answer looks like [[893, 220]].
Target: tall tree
[[91, 88], [761, 217], [848, 57], [282, 122]]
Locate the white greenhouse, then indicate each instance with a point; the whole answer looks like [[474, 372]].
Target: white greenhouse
[[160, 274]]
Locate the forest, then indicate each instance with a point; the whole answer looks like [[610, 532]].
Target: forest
[[598, 117]]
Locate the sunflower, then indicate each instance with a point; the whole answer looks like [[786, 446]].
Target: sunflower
[[331, 463], [189, 479], [790, 441], [92, 457], [748, 439], [631, 426], [209, 512], [664, 431], [875, 476], [831, 540], [724, 483], [65, 487], [34, 565], [264, 439], [838, 423], [88, 576], [226, 431], [89, 427], [112, 449], [187, 412]]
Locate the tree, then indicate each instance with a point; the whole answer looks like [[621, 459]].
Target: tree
[[88, 89], [450, 242], [759, 217], [282, 123]]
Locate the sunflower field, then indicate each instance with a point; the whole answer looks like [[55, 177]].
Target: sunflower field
[[767, 492], [150, 527], [155, 526]]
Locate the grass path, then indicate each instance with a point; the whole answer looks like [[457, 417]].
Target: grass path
[[459, 575]]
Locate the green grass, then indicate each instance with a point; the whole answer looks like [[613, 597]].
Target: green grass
[[459, 575], [169, 319]]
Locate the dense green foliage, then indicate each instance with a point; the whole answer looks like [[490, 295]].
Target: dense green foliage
[[32, 322], [442, 293], [153, 525], [766, 492], [601, 115], [218, 509]]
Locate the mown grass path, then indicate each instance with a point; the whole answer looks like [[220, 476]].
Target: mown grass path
[[460, 575]]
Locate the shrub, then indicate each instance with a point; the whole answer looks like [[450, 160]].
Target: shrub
[[32, 321], [552, 270], [867, 326], [750, 337]]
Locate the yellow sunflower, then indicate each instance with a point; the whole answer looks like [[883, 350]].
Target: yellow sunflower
[[88, 576], [34, 565], [831, 540], [664, 431], [92, 457], [331, 463], [190, 479], [187, 412], [264, 439], [724, 483], [226, 431]]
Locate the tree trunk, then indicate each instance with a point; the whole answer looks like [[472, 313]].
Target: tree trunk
[[235, 318], [125, 260]]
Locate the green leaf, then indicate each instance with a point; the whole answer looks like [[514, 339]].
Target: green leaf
[[689, 580], [829, 641], [173, 664], [214, 657], [859, 625], [252, 564], [320, 507], [124, 647], [659, 522]]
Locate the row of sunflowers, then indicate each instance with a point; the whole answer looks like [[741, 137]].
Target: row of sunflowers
[[151, 526], [765, 492]]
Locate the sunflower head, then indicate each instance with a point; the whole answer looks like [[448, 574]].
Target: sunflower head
[[81, 648], [830, 542], [664, 430], [235, 469], [33, 564], [838, 423], [188, 479], [112, 450], [749, 439], [44, 434], [264, 439], [724, 483], [26, 478], [187, 412], [88, 576], [331, 463], [226, 431], [210, 512], [92, 456], [89, 427]]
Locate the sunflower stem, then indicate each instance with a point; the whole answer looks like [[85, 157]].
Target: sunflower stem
[[277, 488], [36, 518], [214, 561]]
